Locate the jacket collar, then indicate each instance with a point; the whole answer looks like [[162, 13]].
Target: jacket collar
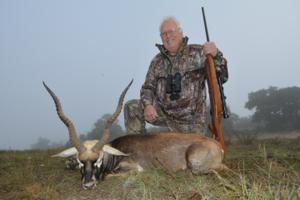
[[165, 52]]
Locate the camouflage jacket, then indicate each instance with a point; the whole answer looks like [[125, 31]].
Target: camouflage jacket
[[189, 61]]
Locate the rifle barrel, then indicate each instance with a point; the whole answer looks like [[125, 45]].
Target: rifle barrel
[[205, 25]]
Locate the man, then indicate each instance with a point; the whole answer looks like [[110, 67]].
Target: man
[[174, 92]]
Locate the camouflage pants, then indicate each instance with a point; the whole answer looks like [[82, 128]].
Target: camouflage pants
[[135, 121]]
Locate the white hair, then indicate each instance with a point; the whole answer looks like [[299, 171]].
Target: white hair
[[170, 18]]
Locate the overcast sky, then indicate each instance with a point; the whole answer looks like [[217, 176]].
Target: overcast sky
[[87, 51]]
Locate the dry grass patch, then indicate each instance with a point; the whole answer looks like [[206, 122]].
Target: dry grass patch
[[263, 169]]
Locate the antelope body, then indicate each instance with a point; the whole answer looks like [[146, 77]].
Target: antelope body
[[172, 151]]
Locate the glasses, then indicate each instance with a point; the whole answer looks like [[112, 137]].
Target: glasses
[[169, 32]]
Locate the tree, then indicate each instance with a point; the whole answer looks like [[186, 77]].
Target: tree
[[96, 133], [276, 109]]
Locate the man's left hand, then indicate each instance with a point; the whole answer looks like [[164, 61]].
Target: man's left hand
[[210, 48]]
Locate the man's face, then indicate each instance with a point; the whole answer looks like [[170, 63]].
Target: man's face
[[171, 36]]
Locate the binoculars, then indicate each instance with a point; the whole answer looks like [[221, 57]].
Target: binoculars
[[173, 86]]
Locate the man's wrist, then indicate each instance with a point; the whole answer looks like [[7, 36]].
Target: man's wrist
[[218, 55]]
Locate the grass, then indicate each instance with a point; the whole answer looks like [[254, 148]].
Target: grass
[[267, 169]]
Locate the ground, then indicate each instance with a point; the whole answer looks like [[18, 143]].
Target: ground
[[259, 169]]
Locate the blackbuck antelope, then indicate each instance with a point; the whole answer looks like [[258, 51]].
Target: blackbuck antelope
[[172, 151]]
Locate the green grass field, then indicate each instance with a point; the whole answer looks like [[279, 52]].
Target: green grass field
[[265, 169]]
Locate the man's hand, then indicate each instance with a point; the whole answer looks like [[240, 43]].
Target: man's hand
[[210, 48], [150, 113]]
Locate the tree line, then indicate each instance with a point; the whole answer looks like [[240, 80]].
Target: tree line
[[274, 110]]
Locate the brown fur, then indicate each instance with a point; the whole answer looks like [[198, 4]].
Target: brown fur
[[89, 154], [176, 151]]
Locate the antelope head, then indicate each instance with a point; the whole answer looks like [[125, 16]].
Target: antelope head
[[90, 153]]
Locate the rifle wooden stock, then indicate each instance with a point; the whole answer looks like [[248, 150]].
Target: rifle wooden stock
[[214, 95], [215, 102]]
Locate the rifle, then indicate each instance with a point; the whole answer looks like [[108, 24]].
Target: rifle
[[216, 96]]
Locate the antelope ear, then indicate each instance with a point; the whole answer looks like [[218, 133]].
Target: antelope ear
[[108, 149], [66, 153]]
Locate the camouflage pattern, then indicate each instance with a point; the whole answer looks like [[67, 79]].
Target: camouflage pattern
[[190, 109], [135, 121], [134, 117]]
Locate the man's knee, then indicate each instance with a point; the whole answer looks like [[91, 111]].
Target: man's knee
[[133, 117], [132, 108]]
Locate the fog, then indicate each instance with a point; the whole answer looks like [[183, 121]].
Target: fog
[[87, 52]]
